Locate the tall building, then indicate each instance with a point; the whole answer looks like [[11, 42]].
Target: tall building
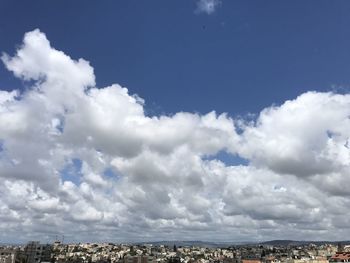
[[34, 252]]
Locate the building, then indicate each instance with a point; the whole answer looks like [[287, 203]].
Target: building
[[8, 256], [251, 261], [139, 259], [340, 257], [34, 252]]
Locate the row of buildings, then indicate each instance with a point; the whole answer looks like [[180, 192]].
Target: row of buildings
[[34, 252]]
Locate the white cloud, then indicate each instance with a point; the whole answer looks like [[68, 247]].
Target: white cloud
[[304, 137], [76, 157], [207, 6]]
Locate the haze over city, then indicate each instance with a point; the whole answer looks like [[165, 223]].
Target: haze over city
[[212, 120]]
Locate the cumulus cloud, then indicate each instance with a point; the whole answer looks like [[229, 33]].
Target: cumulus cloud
[[82, 160], [207, 6], [304, 137]]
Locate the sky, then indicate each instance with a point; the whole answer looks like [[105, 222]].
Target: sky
[[209, 120]]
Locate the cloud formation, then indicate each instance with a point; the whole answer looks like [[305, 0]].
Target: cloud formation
[[207, 6], [87, 162]]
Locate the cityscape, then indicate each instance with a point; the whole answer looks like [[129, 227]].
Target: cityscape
[[174, 131], [267, 252]]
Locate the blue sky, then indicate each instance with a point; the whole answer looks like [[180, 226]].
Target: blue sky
[[243, 57], [214, 120]]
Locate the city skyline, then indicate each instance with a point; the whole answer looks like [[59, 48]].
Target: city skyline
[[124, 152]]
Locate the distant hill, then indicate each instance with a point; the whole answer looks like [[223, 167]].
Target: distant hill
[[188, 243], [299, 243], [285, 243], [209, 244]]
